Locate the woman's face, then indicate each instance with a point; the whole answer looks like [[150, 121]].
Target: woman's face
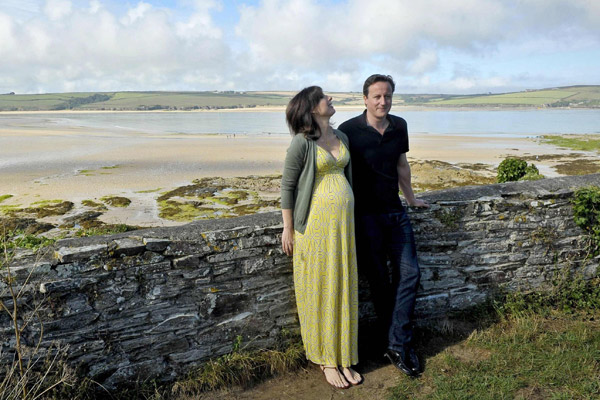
[[325, 107]]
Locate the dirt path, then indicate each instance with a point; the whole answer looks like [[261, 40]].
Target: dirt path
[[310, 384]]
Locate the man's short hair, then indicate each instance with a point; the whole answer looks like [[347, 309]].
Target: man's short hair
[[377, 78]]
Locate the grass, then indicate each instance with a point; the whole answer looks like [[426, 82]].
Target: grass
[[5, 197], [18, 239], [536, 98], [586, 96], [242, 368], [527, 346], [560, 97], [575, 142], [104, 230], [523, 357]]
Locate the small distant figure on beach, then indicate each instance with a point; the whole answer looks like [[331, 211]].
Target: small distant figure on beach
[[318, 230], [378, 146]]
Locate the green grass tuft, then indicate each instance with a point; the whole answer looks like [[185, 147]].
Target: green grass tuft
[[575, 142], [104, 230], [116, 201], [242, 368]]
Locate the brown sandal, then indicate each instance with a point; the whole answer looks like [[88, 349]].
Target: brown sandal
[[340, 375]]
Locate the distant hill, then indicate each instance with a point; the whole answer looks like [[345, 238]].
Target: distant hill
[[572, 96]]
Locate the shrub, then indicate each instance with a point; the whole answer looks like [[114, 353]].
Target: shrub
[[531, 174], [511, 169], [586, 210], [514, 169]]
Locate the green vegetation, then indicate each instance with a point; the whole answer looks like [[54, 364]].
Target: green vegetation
[[77, 102], [92, 172], [575, 142], [44, 208], [31, 374], [449, 218], [572, 96], [525, 345], [100, 230], [149, 190], [116, 201], [5, 197], [243, 367], [93, 204], [209, 198], [513, 169], [183, 212], [586, 210], [531, 174], [18, 239]]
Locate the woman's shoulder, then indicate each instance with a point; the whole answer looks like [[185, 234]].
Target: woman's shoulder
[[299, 143]]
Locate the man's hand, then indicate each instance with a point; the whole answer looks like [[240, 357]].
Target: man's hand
[[418, 203], [287, 241]]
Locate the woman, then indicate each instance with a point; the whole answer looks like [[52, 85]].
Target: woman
[[317, 205]]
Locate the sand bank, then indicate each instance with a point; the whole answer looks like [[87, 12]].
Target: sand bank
[[79, 164]]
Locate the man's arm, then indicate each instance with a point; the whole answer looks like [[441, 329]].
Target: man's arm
[[404, 182]]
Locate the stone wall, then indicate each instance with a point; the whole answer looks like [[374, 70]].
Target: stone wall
[[156, 302]]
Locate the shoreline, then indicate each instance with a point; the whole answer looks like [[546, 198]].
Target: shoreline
[[358, 108], [82, 164]]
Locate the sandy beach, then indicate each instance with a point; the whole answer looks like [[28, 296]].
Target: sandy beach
[[79, 164]]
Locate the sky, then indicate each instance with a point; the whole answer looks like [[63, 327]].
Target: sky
[[428, 46]]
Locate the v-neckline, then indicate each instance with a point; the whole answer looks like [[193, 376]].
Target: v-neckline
[[330, 154]]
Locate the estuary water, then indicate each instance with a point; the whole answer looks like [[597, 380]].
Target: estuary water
[[482, 123]]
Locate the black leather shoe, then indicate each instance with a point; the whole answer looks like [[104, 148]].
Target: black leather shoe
[[401, 360], [413, 359]]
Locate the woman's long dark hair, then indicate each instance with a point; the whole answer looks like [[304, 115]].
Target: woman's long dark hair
[[298, 113]]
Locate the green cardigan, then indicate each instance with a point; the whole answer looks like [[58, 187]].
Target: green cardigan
[[299, 176]]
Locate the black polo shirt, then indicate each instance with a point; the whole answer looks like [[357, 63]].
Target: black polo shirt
[[374, 163]]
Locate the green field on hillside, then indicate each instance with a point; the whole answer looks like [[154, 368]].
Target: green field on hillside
[[573, 96]]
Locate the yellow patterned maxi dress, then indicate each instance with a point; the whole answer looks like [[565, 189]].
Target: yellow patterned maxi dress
[[325, 276]]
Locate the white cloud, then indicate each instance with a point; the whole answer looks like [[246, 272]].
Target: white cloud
[[94, 48], [54, 45], [57, 9], [133, 14]]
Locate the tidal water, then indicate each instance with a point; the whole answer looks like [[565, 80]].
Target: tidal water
[[484, 123]]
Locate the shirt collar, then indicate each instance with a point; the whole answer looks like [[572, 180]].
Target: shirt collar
[[363, 120]]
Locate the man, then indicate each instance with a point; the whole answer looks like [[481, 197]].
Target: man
[[378, 147]]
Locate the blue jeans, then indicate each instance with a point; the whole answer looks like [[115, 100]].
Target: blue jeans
[[380, 238]]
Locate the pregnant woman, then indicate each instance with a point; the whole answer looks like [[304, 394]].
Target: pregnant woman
[[318, 229]]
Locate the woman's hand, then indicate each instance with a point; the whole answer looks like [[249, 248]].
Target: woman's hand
[[287, 241]]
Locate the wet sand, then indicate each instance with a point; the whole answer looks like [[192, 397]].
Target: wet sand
[[77, 164]]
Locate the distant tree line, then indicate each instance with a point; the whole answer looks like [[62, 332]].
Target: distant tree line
[[79, 101], [188, 108]]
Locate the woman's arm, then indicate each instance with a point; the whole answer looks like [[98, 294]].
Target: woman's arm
[[287, 238], [294, 161]]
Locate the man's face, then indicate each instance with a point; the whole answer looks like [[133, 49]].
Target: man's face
[[379, 100]]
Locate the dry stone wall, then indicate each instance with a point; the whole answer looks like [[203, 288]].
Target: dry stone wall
[[154, 303]]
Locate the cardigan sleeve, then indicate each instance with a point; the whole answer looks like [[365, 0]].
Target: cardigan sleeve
[[292, 167]]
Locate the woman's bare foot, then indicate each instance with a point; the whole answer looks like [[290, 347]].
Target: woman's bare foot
[[353, 377], [334, 377]]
